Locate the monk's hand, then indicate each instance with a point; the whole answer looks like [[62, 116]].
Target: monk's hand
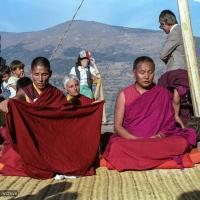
[[97, 101], [4, 106], [161, 135], [158, 135], [132, 137]]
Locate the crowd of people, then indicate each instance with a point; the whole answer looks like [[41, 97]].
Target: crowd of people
[[149, 121]]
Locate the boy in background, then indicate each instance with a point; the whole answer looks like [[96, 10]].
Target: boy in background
[[17, 69], [8, 86]]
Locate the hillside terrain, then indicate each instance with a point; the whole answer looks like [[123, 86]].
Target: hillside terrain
[[113, 47]]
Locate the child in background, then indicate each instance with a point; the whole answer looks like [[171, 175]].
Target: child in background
[[17, 68], [8, 86], [9, 76]]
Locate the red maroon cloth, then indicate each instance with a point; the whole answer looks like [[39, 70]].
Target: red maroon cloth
[[13, 165], [178, 79], [148, 115], [81, 100], [51, 96], [54, 138], [85, 100]]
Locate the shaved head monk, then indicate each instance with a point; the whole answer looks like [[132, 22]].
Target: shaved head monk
[[45, 135], [145, 132], [40, 74]]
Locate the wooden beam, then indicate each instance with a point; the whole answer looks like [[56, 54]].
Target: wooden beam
[[190, 52]]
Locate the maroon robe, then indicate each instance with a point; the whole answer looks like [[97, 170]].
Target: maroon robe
[[80, 100], [146, 116], [50, 137], [178, 79]]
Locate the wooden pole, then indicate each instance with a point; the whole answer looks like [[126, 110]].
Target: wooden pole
[[99, 95], [190, 52], [104, 107]]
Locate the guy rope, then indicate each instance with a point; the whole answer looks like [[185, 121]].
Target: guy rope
[[99, 94]]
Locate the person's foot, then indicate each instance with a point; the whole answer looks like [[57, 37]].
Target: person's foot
[[61, 176]]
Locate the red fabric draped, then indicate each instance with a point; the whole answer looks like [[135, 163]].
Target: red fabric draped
[[54, 138], [10, 160], [178, 79], [80, 100], [148, 115]]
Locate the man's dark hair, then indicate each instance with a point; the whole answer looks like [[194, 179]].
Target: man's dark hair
[[16, 64], [42, 61], [143, 59], [4, 70], [23, 82], [168, 17], [78, 62]]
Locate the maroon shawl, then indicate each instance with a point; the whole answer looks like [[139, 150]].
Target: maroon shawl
[[54, 138], [80, 100], [50, 96]]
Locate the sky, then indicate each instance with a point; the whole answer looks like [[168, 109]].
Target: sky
[[34, 15]]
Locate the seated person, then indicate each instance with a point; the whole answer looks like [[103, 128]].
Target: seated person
[[146, 133], [30, 91], [43, 137], [40, 87], [71, 85]]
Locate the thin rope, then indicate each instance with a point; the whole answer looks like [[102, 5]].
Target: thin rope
[[66, 31]]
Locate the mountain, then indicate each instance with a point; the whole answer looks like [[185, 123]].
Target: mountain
[[113, 47]]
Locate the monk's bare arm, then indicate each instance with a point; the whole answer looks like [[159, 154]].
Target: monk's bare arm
[[119, 116], [4, 104]]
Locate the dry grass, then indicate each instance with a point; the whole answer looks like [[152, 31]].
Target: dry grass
[[111, 185]]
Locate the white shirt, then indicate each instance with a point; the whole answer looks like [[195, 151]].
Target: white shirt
[[173, 27], [7, 89], [83, 74]]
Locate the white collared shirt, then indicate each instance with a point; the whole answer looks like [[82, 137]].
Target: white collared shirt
[[83, 74], [173, 27]]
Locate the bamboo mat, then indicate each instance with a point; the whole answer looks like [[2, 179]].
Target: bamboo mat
[[111, 185]]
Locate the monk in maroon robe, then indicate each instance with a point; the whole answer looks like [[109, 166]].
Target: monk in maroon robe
[[45, 136], [146, 133]]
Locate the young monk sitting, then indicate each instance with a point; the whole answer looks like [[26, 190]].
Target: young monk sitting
[[40, 74], [146, 134], [46, 136], [71, 85], [38, 87]]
